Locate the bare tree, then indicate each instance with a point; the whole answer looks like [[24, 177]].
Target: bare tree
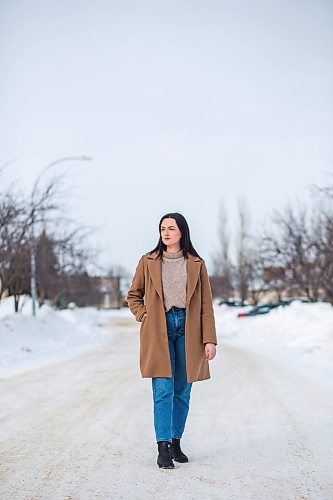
[[322, 239], [255, 270], [292, 249], [56, 256], [74, 257], [14, 246], [64, 259], [222, 265], [244, 259]]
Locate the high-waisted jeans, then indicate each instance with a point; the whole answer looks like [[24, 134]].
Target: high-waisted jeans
[[172, 395]]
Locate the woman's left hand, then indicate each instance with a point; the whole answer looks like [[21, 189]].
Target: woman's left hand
[[210, 350]]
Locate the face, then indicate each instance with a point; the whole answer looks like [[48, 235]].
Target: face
[[170, 232]]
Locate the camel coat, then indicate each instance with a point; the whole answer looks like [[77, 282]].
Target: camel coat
[[146, 296]]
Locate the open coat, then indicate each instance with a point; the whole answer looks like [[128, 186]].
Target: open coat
[[146, 296]]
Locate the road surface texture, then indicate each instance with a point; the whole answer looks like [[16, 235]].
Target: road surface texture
[[83, 429]]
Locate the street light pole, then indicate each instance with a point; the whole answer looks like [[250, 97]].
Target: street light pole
[[33, 281]]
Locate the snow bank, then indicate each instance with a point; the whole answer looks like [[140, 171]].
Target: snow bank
[[27, 342], [298, 332]]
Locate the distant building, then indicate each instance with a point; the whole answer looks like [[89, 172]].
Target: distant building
[[110, 290], [102, 292]]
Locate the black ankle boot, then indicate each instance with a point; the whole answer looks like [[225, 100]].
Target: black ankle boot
[[176, 452], [164, 458]]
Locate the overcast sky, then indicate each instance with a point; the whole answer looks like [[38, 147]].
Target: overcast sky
[[181, 104]]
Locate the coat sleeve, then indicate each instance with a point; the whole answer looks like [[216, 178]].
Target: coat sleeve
[[136, 292], [207, 311]]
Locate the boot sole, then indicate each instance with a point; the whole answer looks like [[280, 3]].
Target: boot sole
[[180, 460], [161, 466]]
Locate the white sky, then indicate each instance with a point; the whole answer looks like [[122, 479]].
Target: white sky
[[181, 104]]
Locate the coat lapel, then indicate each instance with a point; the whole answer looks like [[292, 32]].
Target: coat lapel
[[193, 270], [155, 271]]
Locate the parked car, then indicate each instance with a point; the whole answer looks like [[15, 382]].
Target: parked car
[[262, 309], [230, 303]]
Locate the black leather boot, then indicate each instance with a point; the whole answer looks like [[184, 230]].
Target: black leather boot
[[176, 452], [164, 458]]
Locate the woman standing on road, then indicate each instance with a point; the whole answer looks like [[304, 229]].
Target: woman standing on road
[[170, 295]]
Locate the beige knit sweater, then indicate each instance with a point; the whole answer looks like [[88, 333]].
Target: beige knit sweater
[[174, 279]]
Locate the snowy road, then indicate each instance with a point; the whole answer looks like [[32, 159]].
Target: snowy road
[[83, 429]]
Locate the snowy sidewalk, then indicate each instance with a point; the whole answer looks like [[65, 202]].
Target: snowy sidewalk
[[83, 429]]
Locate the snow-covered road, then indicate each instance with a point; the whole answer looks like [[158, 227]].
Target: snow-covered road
[[83, 429]]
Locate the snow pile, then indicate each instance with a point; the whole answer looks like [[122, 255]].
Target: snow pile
[[27, 342], [300, 331], [296, 333]]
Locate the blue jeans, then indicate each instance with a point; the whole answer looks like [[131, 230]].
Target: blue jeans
[[172, 395]]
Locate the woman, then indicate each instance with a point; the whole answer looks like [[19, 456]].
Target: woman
[[170, 295]]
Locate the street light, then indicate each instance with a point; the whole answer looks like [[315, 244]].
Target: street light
[[33, 287]]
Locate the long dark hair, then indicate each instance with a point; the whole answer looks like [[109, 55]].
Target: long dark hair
[[185, 240]]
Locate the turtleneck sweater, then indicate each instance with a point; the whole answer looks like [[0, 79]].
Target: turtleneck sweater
[[174, 279]]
